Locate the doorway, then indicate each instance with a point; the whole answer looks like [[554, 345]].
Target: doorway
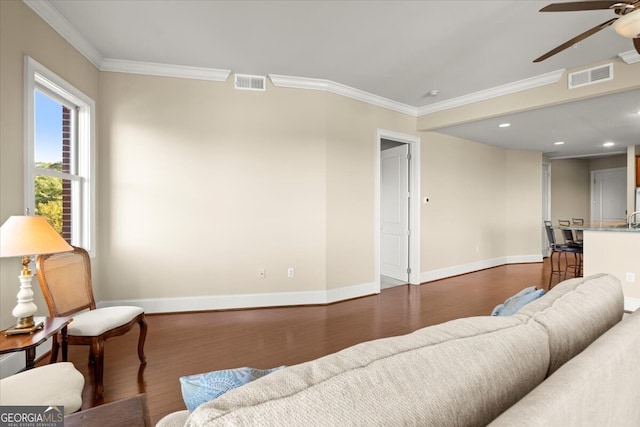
[[394, 213], [398, 210], [609, 195]]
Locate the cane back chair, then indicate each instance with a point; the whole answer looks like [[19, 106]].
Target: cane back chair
[[65, 280]]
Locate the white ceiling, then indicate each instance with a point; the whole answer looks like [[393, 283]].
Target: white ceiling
[[398, 50]]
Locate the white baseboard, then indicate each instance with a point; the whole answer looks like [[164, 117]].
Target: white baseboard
[[227, 302], [279, 299], [457, 270]]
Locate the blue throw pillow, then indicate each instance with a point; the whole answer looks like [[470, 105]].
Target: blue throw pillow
[[514, 303], [200, 388]]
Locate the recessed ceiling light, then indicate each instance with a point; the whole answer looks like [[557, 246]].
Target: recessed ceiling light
[[504, 125], [609, 144], [558, 143]]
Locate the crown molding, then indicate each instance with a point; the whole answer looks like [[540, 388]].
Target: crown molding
[[340, 89], [507, 89], [71, 35], [56, 21], [630, 56], [165, 70]]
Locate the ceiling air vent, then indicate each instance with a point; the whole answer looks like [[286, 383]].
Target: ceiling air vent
[[247, 82], [591, 76]]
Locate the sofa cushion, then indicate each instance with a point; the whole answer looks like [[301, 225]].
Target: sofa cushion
[[598, 387], [576, 312], [482, 364]]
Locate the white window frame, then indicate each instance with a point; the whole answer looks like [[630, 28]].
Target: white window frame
[[37, 76]]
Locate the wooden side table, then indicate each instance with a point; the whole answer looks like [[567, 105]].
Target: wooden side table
[[29, 342]]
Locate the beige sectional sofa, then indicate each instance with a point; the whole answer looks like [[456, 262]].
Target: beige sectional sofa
[[566, 359]]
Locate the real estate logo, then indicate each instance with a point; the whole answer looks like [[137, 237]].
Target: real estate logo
[[31, 416]]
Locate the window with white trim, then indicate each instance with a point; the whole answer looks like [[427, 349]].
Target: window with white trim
[[59, 139]]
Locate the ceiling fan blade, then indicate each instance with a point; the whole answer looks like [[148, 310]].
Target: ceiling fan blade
[[579, 5], [576, 39], [636, 44]]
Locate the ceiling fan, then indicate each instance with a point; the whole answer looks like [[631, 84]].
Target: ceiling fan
[[627, 24]]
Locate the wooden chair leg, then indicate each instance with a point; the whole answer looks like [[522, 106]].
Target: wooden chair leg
[[55, 346], [141, 339], [97, 349]]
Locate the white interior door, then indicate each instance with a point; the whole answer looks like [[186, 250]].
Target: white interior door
[[609, 195], [394, 213]]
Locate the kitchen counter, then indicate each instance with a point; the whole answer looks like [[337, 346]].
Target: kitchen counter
[[606, 226], [614, 250]]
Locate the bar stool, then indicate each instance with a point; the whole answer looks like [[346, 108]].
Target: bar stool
[[578, 233], [570, 241], [559, 250]]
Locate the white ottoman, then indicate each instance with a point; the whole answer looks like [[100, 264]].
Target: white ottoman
[[57, 384]]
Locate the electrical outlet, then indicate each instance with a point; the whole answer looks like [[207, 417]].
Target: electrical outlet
[[291, 272], [631, 277], [261, 273]]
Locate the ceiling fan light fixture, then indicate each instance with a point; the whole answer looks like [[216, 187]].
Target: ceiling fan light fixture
[[628, 25]]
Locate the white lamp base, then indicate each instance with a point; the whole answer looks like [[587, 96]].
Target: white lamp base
[[26, 308]]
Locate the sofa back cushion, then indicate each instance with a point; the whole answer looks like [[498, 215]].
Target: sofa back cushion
[[463, 372], [598, 387], [575, 313]]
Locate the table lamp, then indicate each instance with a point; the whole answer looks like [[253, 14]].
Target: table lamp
[[26, 236]]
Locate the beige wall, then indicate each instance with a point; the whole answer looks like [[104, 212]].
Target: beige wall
[[464, 220], [599, 257], [610, 162], [217, 184], [523, 201], [484, 203], [351, 160], [201, 186], [570, 190], [22, 33], [278, 179]]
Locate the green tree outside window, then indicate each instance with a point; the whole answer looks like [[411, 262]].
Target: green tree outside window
[[48, 196]]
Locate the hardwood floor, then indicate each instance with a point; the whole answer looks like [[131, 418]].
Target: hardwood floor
[[188, 343]]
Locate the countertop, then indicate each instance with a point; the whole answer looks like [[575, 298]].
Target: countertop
[[606, 226]]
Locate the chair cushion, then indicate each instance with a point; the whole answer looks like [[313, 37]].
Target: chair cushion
[[57, 384], [95, 322]]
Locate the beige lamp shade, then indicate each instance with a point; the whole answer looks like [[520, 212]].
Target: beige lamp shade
[[30, 235]]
